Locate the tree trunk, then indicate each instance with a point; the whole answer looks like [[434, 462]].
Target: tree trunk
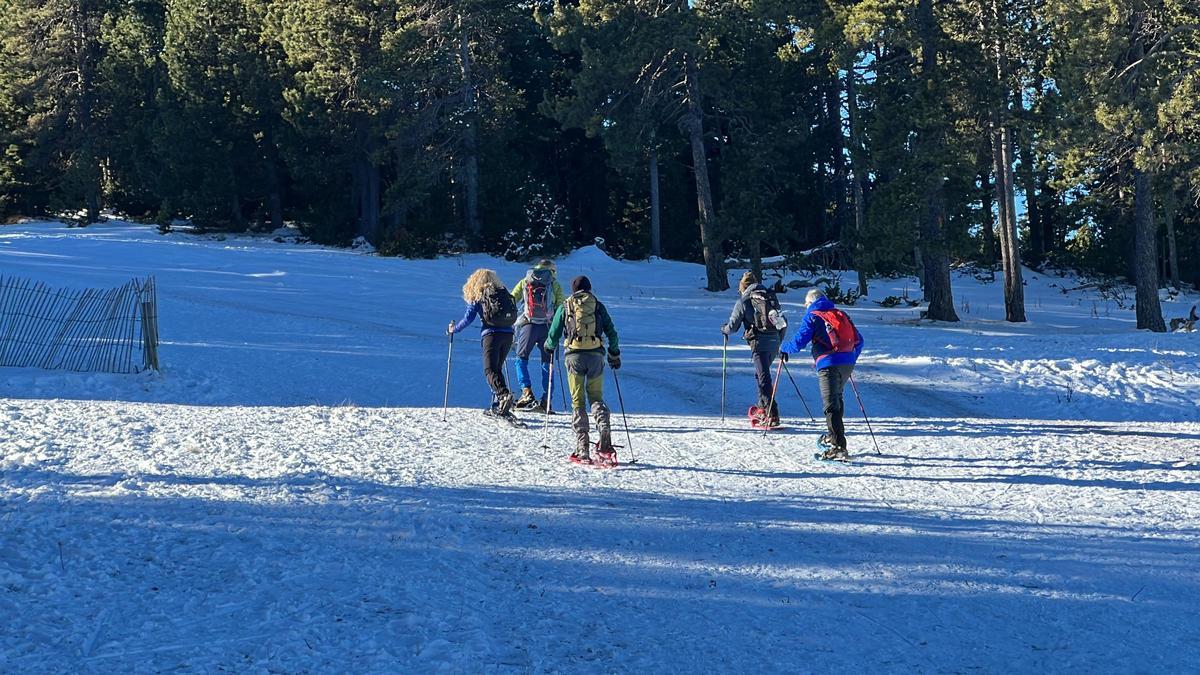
[[236, 217], [987, 224], [366, 178], [833, 114], [857, 167], [1145, 256], [929, 143], [714, 263], [470, 165], [274, 181], [919, 263], [1048, 198], [655, 206], [1032, 206], [1170, 207], [86, 57], [1002, 153], [275, 209], [1010, 249]]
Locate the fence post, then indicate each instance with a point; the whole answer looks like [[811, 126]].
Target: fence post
[[149, 325]]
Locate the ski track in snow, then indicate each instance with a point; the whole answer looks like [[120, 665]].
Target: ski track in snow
[[286, 497]]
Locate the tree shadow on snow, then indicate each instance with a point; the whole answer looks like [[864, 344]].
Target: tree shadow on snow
[[314, 571]]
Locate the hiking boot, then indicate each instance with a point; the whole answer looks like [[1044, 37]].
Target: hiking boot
[[835, 454], [582, 455], [527, 398], [504, 403], [773, 419]]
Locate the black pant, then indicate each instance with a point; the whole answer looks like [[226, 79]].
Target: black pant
[[495, 352], [832, 381], [762, 375]]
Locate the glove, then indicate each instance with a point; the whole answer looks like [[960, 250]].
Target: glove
[[783, 356], [614, 361], [549, 347], [725, 330], [450, 329]]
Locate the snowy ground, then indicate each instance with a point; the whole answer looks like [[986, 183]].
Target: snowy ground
[[285, 497]]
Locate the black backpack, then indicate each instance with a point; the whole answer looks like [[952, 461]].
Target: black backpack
[[499, 309], [763, 302]]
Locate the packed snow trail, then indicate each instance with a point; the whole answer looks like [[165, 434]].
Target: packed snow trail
[[286, 497]]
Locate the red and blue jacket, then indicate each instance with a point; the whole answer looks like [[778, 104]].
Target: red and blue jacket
[[812, 329]]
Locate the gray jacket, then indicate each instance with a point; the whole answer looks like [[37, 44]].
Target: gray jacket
[[743, 317]]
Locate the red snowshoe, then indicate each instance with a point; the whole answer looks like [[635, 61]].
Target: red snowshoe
[[598, 459], [759, 419]]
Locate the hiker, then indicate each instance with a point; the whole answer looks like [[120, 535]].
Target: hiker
[[538, 295], [757, 312], [582, 322], [836, 344], [488, 299]]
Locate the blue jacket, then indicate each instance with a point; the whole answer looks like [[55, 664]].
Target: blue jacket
[[474, 310], [812, 329]]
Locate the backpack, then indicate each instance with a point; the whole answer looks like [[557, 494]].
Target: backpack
[[498, 308], [842, 335], [582, 331], [767, 315], [539, 305]]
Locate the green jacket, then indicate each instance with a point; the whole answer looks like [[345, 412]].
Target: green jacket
[[518, 294], [604, 325]]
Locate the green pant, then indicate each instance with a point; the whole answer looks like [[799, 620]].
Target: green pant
[[585, 378]]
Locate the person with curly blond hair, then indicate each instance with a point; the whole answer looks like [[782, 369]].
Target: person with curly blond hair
[[489, 300]]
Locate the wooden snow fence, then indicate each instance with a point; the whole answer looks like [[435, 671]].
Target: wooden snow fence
[[111, 330]]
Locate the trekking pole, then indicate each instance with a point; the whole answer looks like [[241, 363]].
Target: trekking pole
[[546, 415], [624, 420], [724, 364], [789, 374], [864, 412], [771, 404], [449, 360]]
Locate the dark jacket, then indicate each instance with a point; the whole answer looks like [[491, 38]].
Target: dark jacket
[[812, 329], [476, 310], [743, 317]]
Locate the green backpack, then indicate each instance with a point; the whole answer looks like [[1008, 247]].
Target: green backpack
[[582, 331]]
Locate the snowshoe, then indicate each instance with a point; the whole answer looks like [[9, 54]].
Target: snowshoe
[[535, 406], [527, 400], [759, 419], [597, 458], [510, 418], [826, 452], [606, 458]]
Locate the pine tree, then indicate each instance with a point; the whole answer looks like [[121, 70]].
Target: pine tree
[[1120, 65], [49, 100], [641, 66]]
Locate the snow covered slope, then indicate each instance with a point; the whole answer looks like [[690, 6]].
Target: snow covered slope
[[286, 497]]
